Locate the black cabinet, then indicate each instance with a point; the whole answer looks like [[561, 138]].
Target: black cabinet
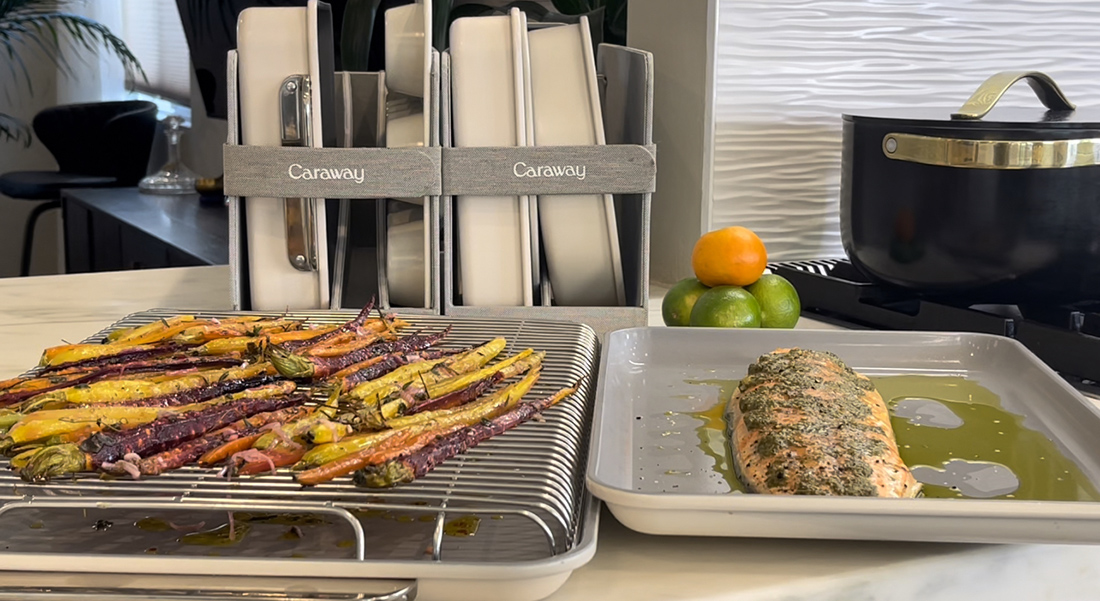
[[113, 229]]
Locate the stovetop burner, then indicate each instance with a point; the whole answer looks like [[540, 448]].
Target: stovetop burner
[[1067, 338]]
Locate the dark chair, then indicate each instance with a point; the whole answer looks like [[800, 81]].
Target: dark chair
[[97, 144]]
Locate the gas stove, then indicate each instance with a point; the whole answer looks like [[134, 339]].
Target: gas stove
[[1066, 337]]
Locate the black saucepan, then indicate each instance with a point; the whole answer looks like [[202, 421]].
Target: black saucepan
[[1004, 208]]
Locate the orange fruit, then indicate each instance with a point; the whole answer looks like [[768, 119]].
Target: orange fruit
[[731, 256]]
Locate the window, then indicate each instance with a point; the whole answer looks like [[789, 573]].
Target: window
[[152, 30]]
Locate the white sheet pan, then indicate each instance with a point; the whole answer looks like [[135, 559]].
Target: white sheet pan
[[647, 463]]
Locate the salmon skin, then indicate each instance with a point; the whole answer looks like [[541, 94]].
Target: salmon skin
[[804, 423]]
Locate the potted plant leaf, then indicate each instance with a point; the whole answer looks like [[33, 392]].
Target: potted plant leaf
[[41, 26]]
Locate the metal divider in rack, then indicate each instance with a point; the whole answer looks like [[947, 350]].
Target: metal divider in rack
[[522, 491]]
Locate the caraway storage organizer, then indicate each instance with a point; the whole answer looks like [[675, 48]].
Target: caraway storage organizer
[[357, 182], [624, 167]]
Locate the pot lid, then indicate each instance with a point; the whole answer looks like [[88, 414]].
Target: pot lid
[[979, 111], [999, 118]]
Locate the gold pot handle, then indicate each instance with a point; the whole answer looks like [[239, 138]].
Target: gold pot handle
[[985, 98]]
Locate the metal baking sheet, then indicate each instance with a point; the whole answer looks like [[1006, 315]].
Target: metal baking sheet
[[522, 493], [654, 466]]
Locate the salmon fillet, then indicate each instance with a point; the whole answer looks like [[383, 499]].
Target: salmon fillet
[[804, 423]]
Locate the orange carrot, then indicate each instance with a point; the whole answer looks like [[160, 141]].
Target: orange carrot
[[234, 446], [280, 457]]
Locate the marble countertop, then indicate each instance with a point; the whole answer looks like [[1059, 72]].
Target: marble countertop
[[41, 311]]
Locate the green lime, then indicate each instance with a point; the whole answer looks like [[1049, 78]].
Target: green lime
[[676, 307], [726, 307], [779, 304]]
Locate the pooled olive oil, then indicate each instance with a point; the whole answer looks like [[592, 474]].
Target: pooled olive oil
[[712, 432], [987, 434], [462, 526], [968, 425]]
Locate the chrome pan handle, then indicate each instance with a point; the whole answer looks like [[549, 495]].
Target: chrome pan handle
[[295, 119]]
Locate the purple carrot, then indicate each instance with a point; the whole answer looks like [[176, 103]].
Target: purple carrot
[[166, 432], [56, 383], [389, 363], [418, 463], [300, 367], [349, 326], [102, 449], [198, 395], [191, 450], [458, 397], [102, 373], [124, 355]]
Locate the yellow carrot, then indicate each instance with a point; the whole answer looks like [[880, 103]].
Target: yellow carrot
[[391, 402], [206, 332], [146, 332], [391, 443], [509, 396], [506, 398], [43, 424], [255, 344], [401, 375], [455, 364], [78, 352], [56, 422], [113, 391], [171, 328]]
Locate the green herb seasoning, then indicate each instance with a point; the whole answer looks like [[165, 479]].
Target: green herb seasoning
[[811, 415]]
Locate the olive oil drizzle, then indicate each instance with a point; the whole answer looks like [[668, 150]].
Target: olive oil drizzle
[[989, 434]]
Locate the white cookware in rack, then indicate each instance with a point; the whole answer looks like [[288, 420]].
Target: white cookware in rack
[[525, 127], [494, 233], [274, 44], [580, 234], [409, 68]]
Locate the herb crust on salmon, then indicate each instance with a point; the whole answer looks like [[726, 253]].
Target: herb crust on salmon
[[802, 422]]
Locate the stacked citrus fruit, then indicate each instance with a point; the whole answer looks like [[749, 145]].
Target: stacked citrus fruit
[[730, 289]]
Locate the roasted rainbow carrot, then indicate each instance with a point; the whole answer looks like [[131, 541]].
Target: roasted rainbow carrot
[[411, 465], [339, 459], [308, 367], [102, 450]]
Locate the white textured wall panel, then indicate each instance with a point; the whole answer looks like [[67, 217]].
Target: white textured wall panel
[[785, 70]]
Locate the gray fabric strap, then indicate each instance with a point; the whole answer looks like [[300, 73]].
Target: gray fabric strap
[[515, 171], [291, 172]]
